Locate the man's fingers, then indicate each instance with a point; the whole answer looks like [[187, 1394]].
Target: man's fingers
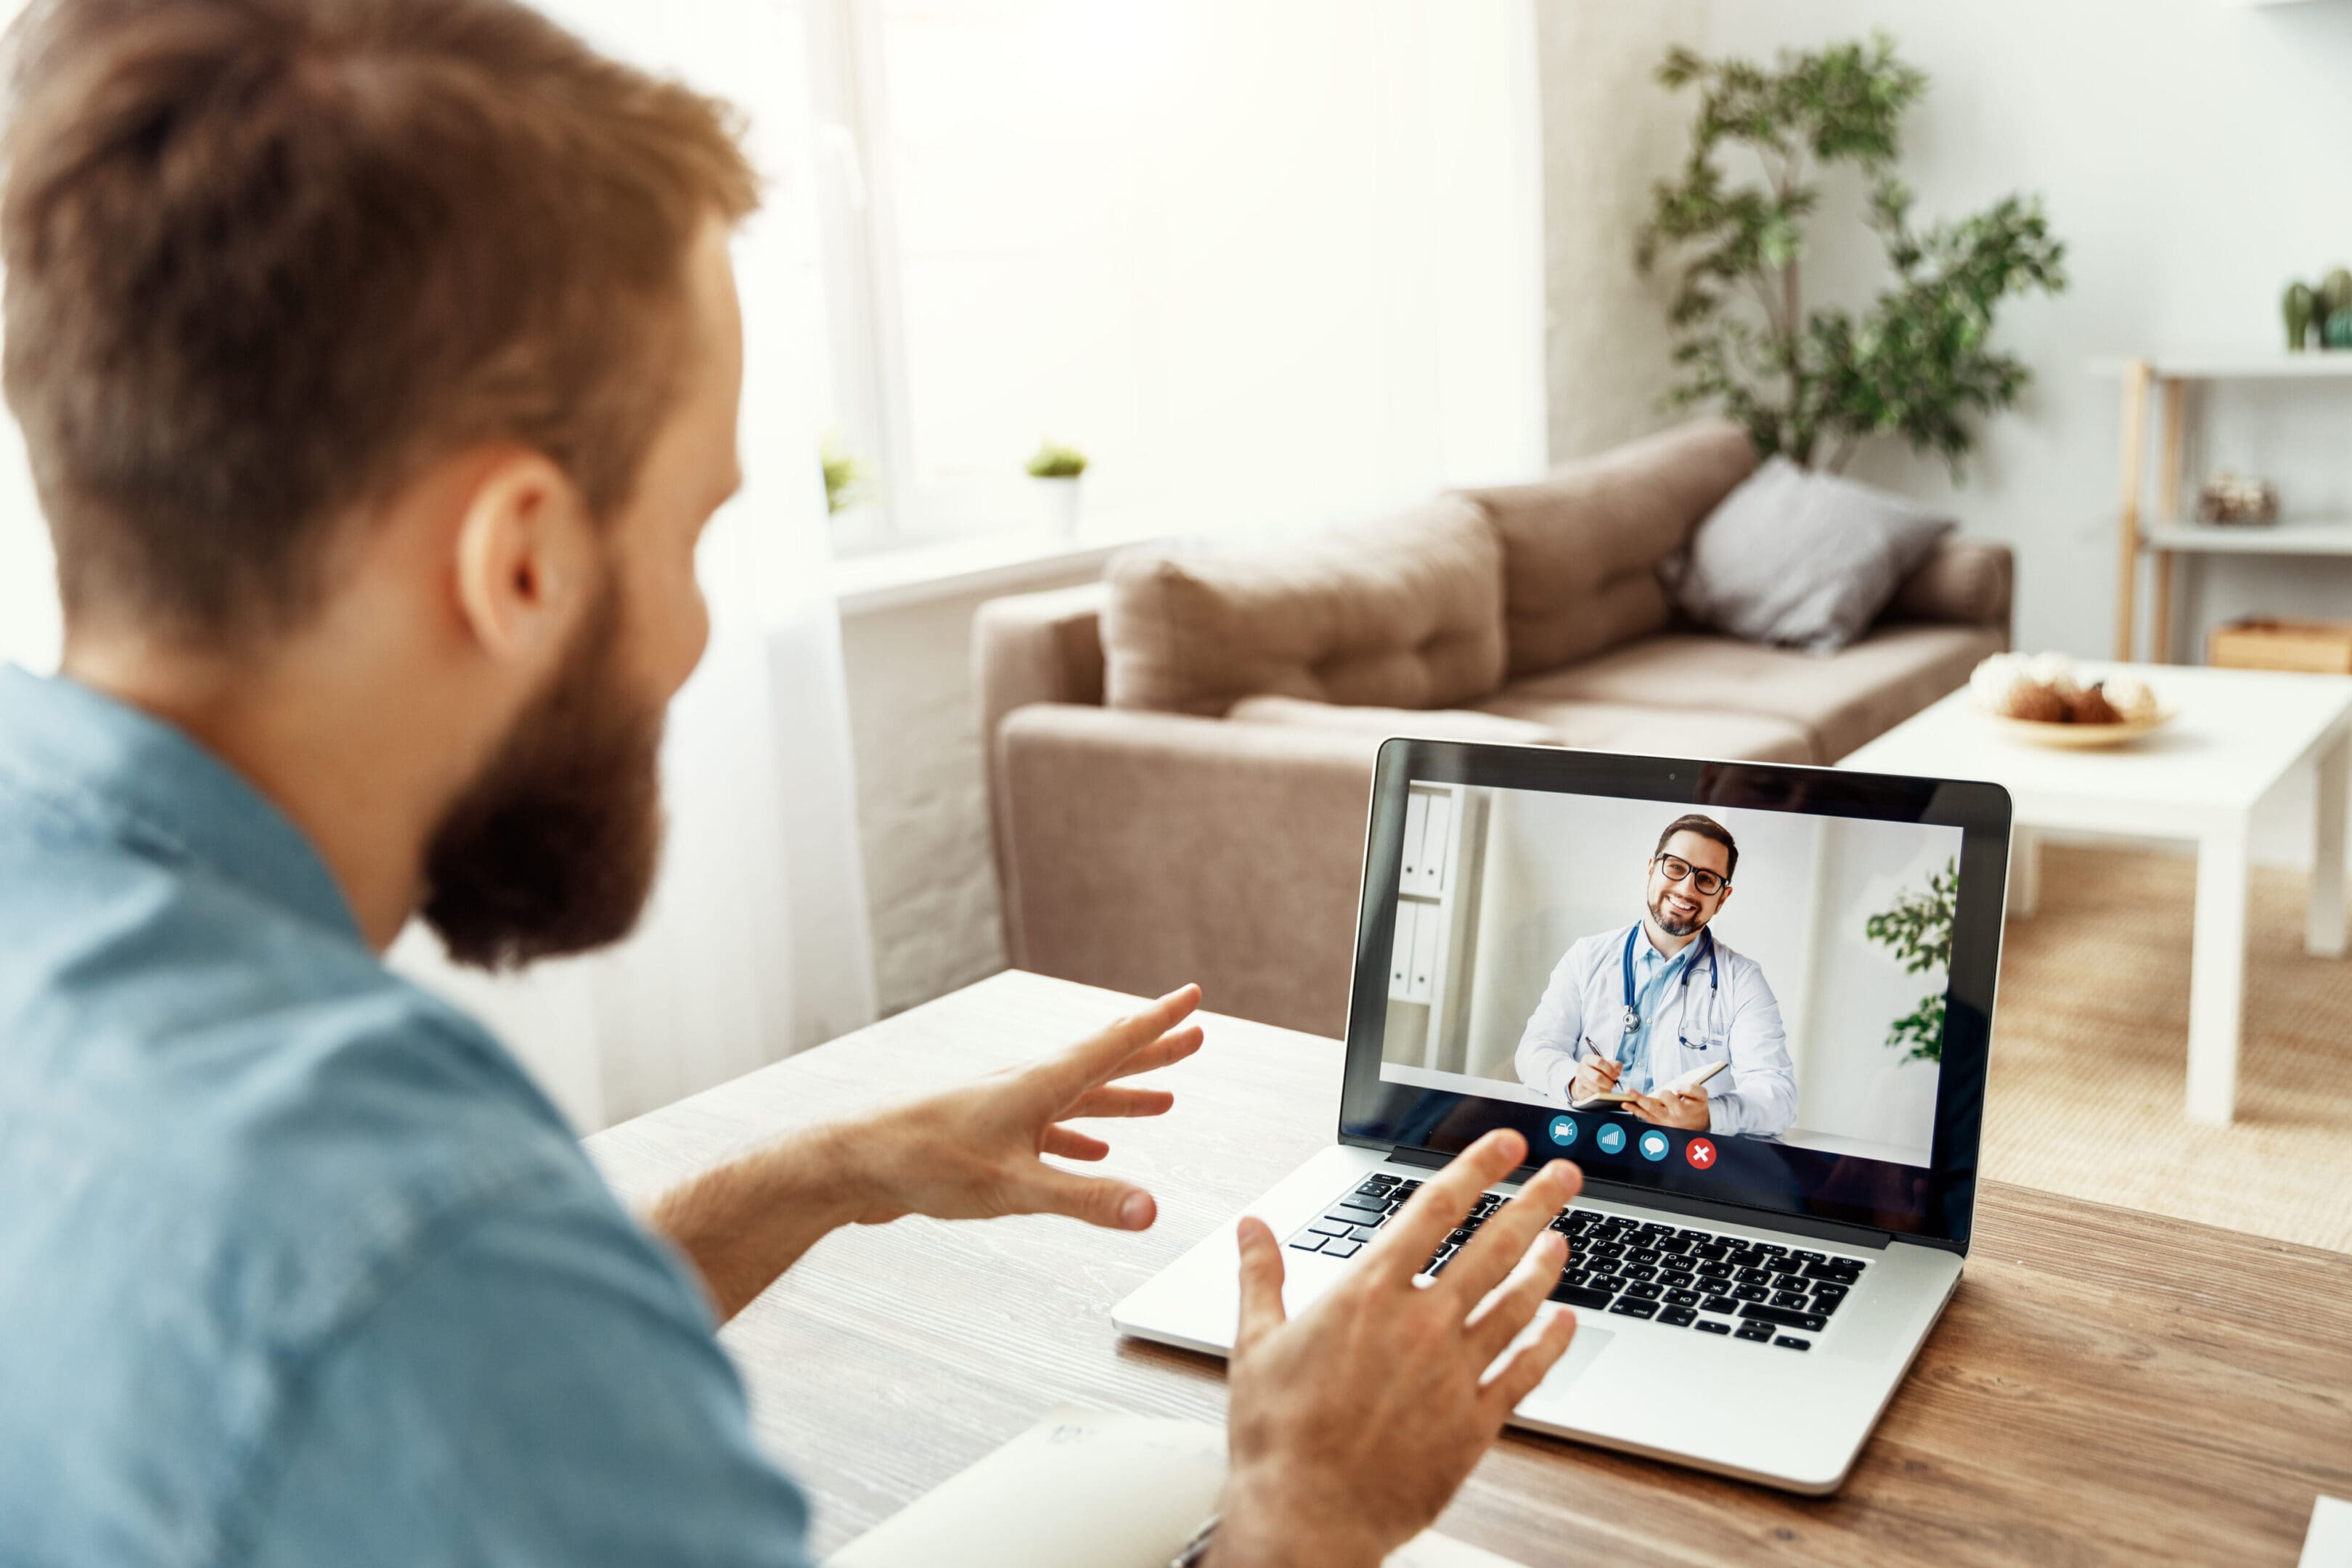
[[1519, 1375], [1168, 1049], [1610, 1071], [1114, 1101], [1261, 1283], [1486, 1257], [1071, 1144], [1502, 1314], [1406, 1241], [1093, 1059], [1098, 1200]]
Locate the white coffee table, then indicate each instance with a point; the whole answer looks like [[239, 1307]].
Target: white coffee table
[[2240, 735]]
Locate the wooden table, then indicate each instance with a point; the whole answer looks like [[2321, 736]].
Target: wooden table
[[2106, 1386], [2240, 737]]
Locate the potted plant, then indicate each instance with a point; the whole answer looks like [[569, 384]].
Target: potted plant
[[1919, 929], [1053, 470], [845, 476], [1812, 385]]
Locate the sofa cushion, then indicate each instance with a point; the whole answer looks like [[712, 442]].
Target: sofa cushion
[[1581, 547], [1438, 723], [1403, 613], [1654, 731], [1801, 559], [1840, 700]]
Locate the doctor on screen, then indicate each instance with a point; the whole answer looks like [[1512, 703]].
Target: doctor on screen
[[1637, 1007]]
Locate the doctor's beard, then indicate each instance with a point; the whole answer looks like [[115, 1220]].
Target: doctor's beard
[[1674, 924]]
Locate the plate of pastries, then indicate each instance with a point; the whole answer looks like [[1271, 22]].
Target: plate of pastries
[[2045, 700]]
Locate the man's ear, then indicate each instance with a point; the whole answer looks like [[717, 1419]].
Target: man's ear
[[522, 557]]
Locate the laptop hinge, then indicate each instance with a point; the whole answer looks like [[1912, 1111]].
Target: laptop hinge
[[1427, 1161]]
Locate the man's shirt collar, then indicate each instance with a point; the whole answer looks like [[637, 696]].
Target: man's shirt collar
[[146, 784]]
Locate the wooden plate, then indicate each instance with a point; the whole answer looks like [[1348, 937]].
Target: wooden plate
[[2078, 737]]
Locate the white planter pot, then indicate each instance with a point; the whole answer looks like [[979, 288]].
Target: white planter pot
[[1058, 503]]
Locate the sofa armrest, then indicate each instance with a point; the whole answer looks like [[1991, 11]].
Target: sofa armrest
[[1968, 582], [1032, 647], [1142, 850]]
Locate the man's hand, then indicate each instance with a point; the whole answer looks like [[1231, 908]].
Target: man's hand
[[974, 1152], [1683, 1108], [1595, 1074], [1352, 1425], [967, 1154]]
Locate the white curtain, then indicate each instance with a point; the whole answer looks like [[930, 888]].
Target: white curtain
[[757, 942]]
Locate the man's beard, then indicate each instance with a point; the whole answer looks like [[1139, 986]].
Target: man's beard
[[1674, 925], [552, 848]]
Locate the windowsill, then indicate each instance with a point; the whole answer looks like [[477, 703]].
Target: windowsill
[[887, 579]]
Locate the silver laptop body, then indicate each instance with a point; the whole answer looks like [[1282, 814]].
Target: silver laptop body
[[1748, 1301]]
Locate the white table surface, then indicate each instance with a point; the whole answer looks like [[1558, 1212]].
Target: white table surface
[[2237, 735]]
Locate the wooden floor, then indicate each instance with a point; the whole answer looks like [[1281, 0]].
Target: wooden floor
[[2090, 1046]]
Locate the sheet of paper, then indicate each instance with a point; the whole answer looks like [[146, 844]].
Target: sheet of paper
[[1086, 1489], [2329, 1542]]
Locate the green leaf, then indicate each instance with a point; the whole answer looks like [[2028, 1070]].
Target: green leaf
[[1919, 362]]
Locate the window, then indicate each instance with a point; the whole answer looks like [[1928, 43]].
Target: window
[[1265, 264]]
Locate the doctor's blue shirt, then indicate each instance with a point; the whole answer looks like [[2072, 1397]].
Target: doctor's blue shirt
[[296, 1265]]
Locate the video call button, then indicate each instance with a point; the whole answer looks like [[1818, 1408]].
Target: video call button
[[1700, 1154], [1612, 1138], [1656, 1144], [1563, 1130]]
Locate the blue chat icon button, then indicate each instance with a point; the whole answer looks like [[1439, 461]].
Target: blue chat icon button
[[1655, 1145], [1612, 1138], [1563, 1130]]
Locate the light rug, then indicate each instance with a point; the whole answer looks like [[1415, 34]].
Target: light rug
[[2089, 1055]]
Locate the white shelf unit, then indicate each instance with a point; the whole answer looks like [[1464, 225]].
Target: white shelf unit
[[1437, 924], [2164, 531]]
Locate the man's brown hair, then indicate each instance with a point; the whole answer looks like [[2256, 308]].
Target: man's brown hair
[[266, 258]]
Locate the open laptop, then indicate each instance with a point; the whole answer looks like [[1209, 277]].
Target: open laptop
[[1748, 1298]]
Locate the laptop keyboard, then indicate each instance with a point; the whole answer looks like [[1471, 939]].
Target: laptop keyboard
[[1680, 1276]]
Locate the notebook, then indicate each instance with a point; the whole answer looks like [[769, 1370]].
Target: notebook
[[1086, 1489]]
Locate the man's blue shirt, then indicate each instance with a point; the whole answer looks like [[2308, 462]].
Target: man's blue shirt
[[297, 1267]]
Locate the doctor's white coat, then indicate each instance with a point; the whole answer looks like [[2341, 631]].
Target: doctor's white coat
[[1583, 1009]]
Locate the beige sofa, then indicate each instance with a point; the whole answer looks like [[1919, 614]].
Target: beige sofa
[[1179, 756]]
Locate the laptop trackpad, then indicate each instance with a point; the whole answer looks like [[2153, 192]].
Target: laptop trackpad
[[1582, 1352]]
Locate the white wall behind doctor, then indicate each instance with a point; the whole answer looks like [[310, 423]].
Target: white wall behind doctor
[[1849, 1080]]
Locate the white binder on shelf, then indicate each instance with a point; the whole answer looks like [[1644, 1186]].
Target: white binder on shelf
[[1400, 955], [1428, 927], [1416, 814], [1437, 821]]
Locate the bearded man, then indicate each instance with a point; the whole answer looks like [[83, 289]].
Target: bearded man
[[378, 364], [1651, 1017]]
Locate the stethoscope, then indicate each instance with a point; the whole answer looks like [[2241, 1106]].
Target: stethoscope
[[1714, 979]]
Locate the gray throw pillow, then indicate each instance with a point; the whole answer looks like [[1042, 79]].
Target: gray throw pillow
[[1801, 559]]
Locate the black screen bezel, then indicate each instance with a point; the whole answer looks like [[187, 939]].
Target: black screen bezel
[[1935, 1203]]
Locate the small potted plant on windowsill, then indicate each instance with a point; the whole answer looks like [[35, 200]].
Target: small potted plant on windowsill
[[1055, 470]]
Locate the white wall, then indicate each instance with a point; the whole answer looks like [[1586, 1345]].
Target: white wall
[[2191, 156], [1848, 1079], [922, 807]]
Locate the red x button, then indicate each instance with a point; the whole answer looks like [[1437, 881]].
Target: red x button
[[1700, 1152]]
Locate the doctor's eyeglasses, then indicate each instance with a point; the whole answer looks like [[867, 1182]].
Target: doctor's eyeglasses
[[1706, 884]]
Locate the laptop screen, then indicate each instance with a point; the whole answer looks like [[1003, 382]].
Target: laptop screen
[[1736, 982]]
